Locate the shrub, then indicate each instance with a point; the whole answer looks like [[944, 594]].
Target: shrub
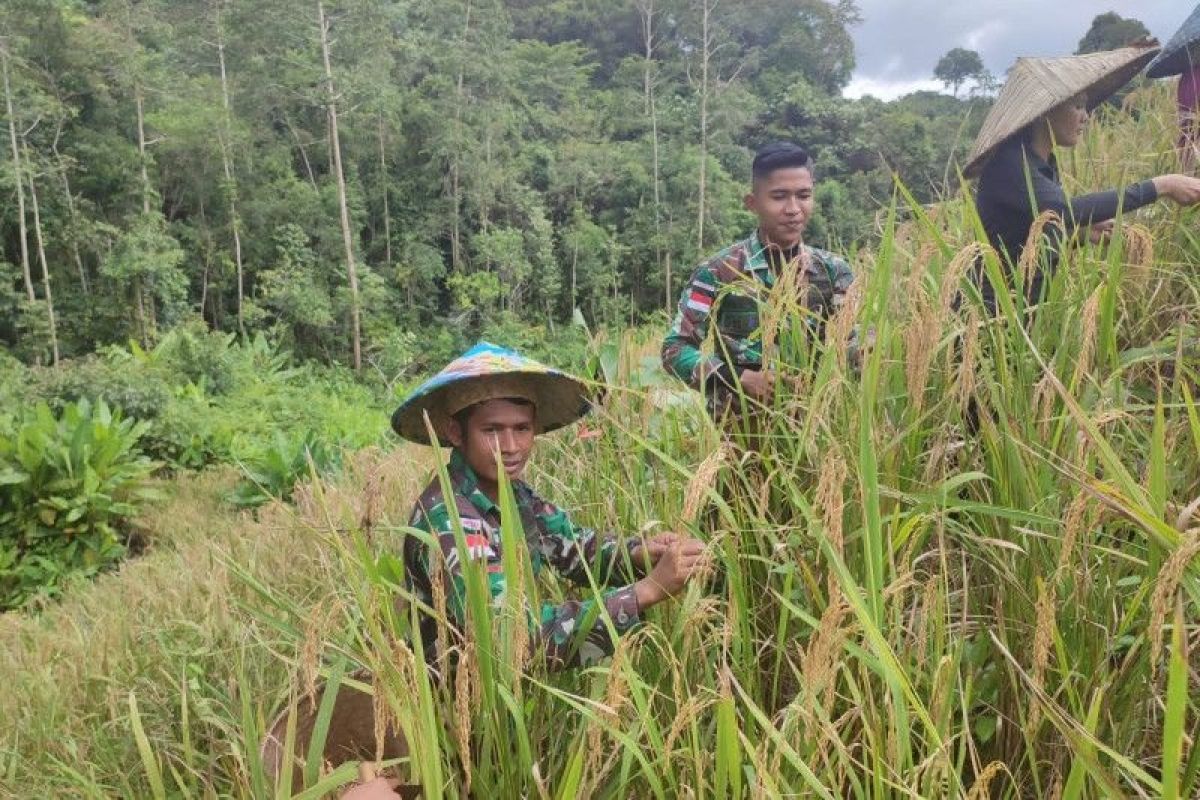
[[139, 389], [274, 471], [68, 486]]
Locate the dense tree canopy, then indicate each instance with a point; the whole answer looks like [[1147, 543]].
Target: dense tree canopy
[[958, 66], [1110, 31], [334, 172]]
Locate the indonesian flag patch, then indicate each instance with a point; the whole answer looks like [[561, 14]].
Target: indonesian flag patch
[[700, 298], [479, 547]]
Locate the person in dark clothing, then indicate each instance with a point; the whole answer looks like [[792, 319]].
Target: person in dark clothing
[[1188, 100], [1018, 172], [1181, 56]]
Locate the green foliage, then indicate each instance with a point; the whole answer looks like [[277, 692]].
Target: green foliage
[[1109, 31], [147, 259], [950, 572], [498, 157], [69, 484], [958, 66], [139, 388], [272, 472]]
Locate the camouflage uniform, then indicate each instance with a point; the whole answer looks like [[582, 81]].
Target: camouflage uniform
[[731, 286], [553, 540]]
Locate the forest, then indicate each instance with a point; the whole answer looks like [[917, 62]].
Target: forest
[[360, 179]]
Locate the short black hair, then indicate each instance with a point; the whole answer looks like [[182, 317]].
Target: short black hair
[[463, 416], [779, 155]]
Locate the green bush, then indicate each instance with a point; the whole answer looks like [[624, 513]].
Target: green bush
[[68, 486], [140, 389], [273, 472]]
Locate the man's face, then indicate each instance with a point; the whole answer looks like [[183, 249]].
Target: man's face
[[496, 426], [783, 202]]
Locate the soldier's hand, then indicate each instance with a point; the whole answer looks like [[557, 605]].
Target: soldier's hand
[[376, 789], [681, 562], [862, 348], [758, 384], [647, 552]]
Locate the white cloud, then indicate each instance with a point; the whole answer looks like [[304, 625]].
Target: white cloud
[[885, 88], [898, 43], [979, 38]]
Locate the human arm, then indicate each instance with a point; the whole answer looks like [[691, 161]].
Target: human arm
[[558, 630], [1084, 211], [1183, 189], [582, 555], [681, 353], [1093, 212]]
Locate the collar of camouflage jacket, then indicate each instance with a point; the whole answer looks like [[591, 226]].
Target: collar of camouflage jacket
[[760, 252], [466, 483]]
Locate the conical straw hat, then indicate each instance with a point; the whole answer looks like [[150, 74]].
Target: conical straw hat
[[1035, 86], [486, 372], [1180, 54]]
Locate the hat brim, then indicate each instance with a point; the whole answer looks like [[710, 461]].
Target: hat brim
[[1013, 113], [558, 399], [1181, 53], [1176, 62]]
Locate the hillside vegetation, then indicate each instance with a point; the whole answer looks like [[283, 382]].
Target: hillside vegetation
[[902, 608]]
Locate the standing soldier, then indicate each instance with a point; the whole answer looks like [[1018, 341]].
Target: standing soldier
[[732, 286]]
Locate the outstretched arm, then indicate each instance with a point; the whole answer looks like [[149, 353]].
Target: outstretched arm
[[557, 630], [1086, 210]]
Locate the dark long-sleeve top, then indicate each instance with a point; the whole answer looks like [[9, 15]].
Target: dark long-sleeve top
[[1014, 176]]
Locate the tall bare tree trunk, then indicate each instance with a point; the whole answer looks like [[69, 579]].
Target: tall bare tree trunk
[[141, 131], [347, 239], [16, 159], [705, 55], [383, 179], [41, 250], [651, 104], [455, 183], [226, 162], [575, 272], [138, 288], [72, 215]]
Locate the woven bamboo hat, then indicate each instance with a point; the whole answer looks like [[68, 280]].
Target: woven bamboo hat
[[1036, 86], [487, 372], [1180, 54]]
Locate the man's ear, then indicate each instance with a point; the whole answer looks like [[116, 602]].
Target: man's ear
[[454, 433], [749, 201]]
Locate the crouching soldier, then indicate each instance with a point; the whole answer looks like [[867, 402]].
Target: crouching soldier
[[489, 406]]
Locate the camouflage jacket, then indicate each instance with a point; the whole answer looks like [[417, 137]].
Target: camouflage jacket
[[553, 540], [730, 289]]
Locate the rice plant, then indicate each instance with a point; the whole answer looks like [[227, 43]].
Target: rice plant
[[965, 567]]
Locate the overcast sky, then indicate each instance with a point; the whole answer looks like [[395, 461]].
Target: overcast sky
[[899, 41]]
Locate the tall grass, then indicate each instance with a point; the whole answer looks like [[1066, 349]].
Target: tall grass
[[902, 608]]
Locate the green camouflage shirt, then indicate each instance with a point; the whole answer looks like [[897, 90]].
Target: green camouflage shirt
[[553, 540], [729, 288]]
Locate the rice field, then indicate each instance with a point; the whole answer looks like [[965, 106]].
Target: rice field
[[904, 603]]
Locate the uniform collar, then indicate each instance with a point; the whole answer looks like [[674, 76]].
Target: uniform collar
[[466, 483], [762, 253]]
